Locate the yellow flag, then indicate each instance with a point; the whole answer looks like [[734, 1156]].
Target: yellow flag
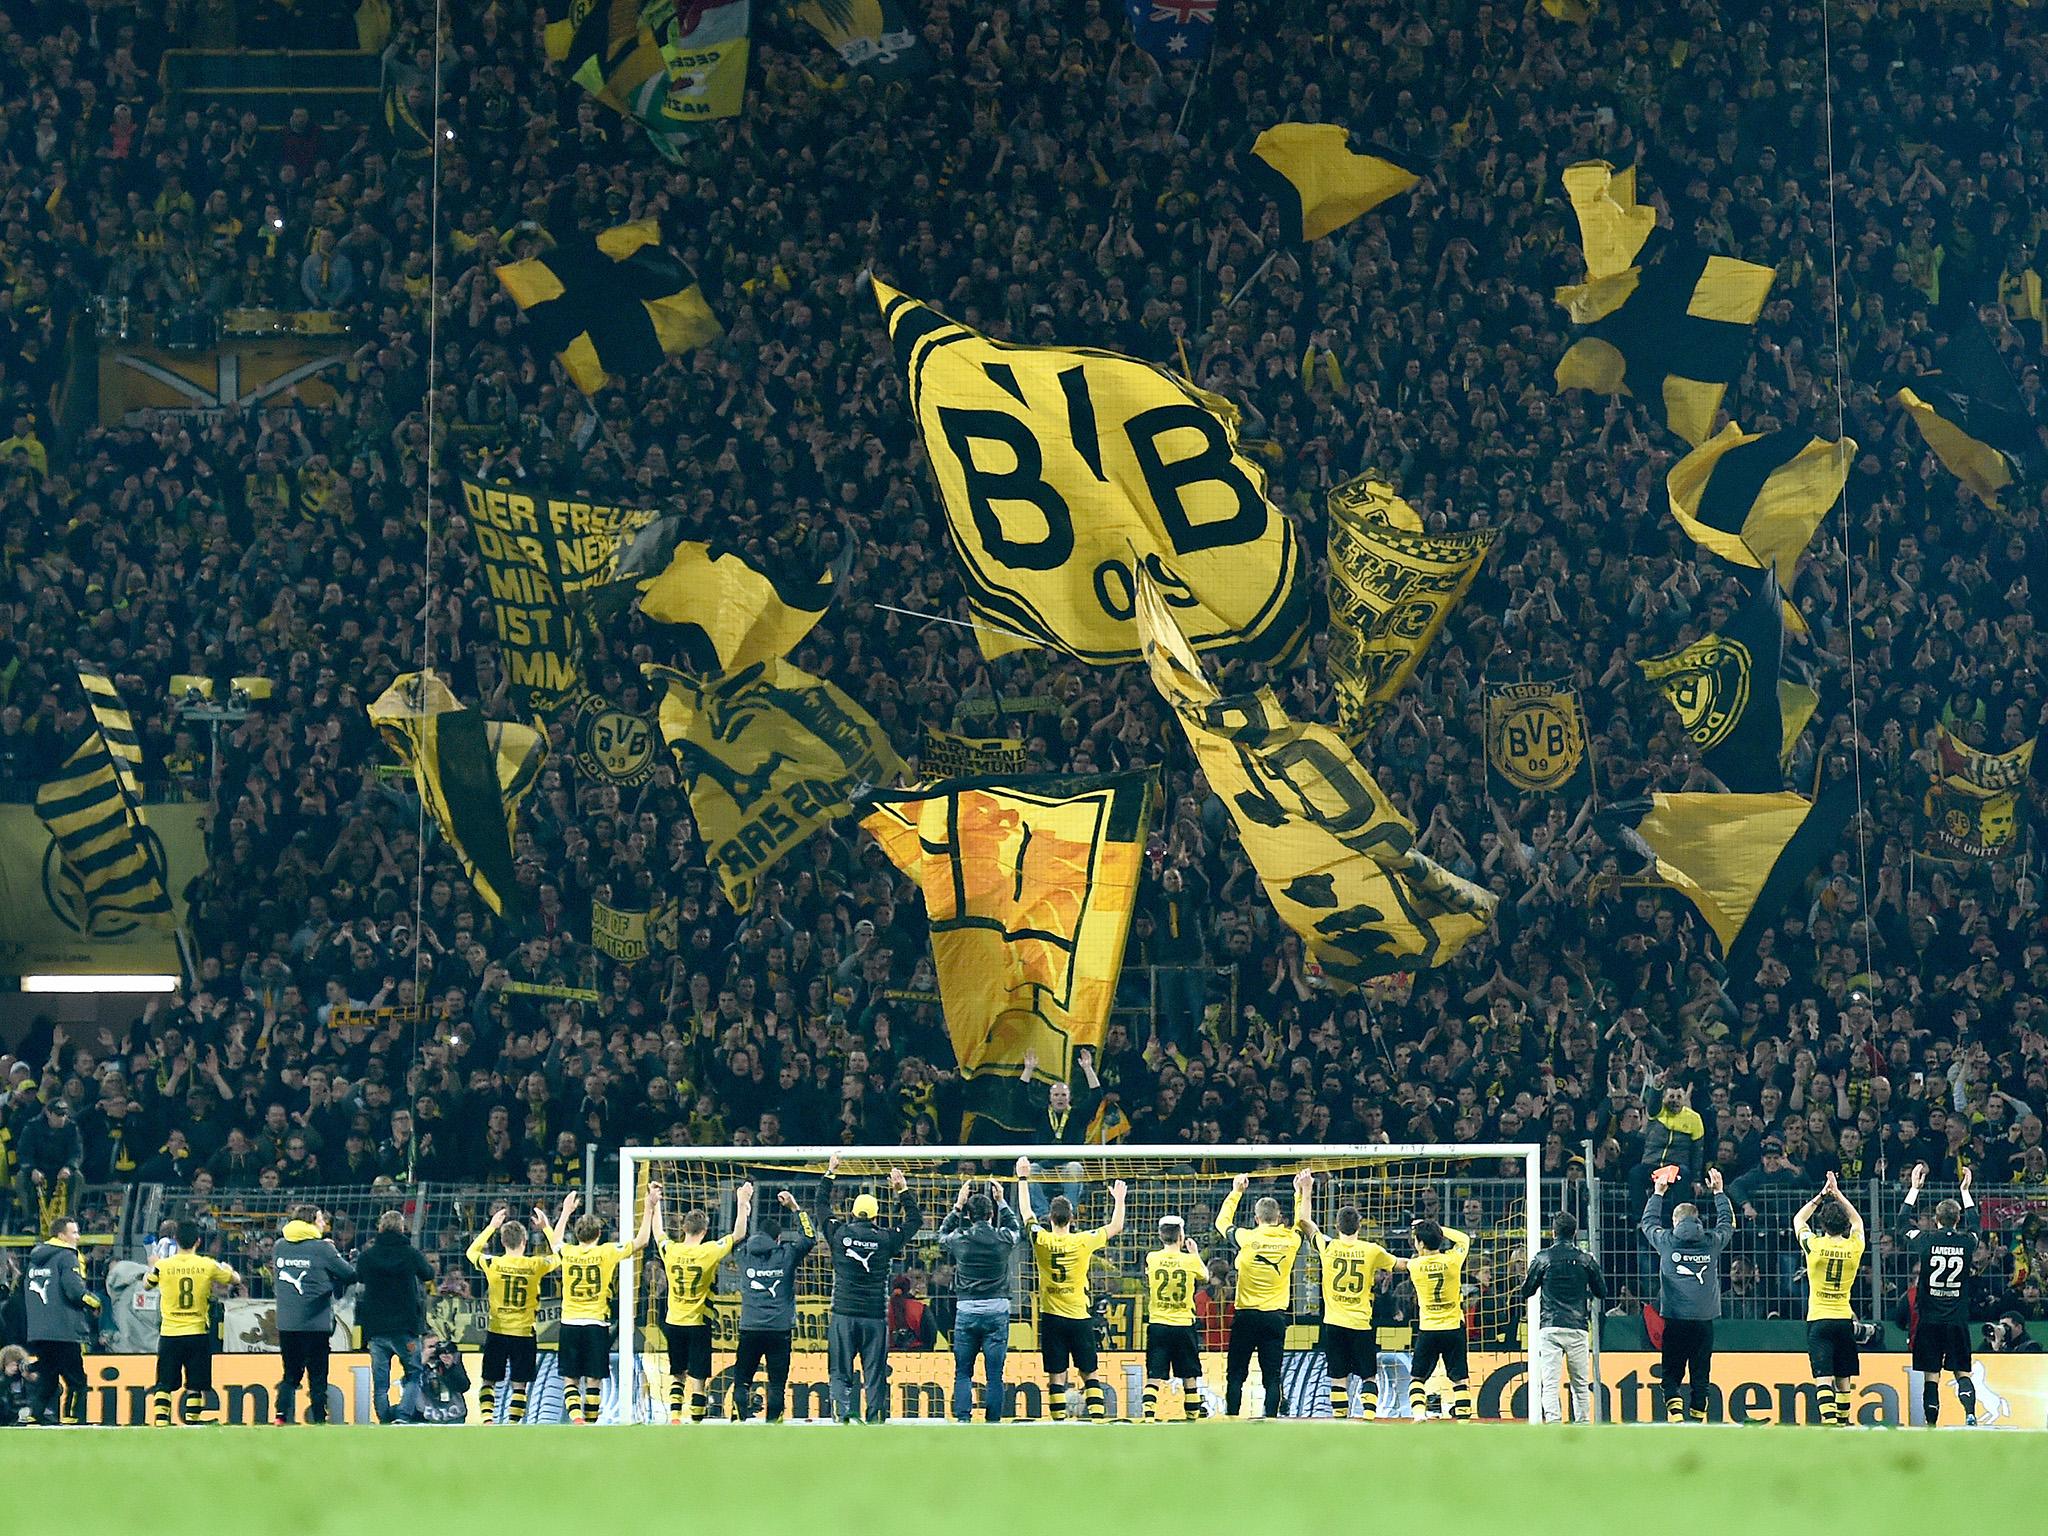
[[1754, 498], [1337, 860], [1317, 182], [1612, 225], [1971, 460], [1029, 884]]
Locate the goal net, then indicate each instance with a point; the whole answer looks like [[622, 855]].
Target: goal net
[[1489, 1192]]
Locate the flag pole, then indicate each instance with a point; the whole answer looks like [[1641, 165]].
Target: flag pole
[[1258, 272], [1193, 80]]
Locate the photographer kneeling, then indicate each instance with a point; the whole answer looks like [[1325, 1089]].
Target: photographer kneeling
[[438, 1392]]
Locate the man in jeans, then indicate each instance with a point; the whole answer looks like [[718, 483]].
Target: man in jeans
[[1571, 1284], [392, 1309], [980, 1235]]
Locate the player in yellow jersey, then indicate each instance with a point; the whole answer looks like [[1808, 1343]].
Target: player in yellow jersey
[[512, 1281], [589, 1265], [1174, 1271], [691, 1264], [1066, 1327], [1833, 1255], [1351, 1266], [1438, 1272], [1265, 1291], [184, 1353]]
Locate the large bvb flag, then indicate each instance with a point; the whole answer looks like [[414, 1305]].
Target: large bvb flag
[[768, 755], [613, 305], [1755, 498], [1674, 329], [471, 772], [1338, 862], [1029, 884], [1738, 858], [1725, 687], [1970, 412], [1065, 470], [1390, 591], [1317, 183], [94, 812]]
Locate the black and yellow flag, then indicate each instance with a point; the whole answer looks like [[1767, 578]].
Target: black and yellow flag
[[612, 744], [871, 37], [1536, 741], [94, 812], [1725, 689], [1738, 858], [546, 557], [611, 306], [1065, 470], [1755, 498], [1337, 860], [611, 51], [1970, 412], [768, 755], [947, 756], [1973, 805], [1390, 591], [725, 609], [471, 772], [630, 934], [1674, 329], [1317, 182], [1029, 884]]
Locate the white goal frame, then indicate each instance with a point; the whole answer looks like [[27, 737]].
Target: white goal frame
[[632, 1159]]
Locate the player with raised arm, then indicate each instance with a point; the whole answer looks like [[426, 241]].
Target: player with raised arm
[[1174, 1271], [512, 1281], [1833, 1256], [184, 1353], [1066, 1326], [1940, 1291], [691, 1262], [589, 1266], [1438, 1271], [1351, 1267], [1265, 1291]]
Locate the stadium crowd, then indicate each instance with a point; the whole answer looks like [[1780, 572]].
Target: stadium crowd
[[1053, 190]]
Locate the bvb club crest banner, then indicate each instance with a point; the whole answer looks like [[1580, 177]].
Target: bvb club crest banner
[[1066, 471], [1391, 587], [1973, 808], [43, 924], [946, 756], [1535, 740], [768, 755], [612, 744], [544, 555], [1030, 884]]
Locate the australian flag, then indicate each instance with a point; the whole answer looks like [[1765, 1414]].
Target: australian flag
[[1173, 29]]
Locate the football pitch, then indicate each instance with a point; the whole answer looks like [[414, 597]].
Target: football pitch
[[1069, 1480]]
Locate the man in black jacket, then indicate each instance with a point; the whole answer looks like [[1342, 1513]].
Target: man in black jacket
[[862, 1250], [391, 1308], [1572, 1287], [768, 1261], [50, 1154], [980, 1235], [60, 1323]]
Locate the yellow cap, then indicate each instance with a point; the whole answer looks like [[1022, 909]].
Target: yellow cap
[[865, 1206]]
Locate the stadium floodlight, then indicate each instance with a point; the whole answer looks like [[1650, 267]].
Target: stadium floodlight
[[1492, 1190], [110, 982]]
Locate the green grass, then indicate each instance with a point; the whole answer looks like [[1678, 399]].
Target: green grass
[[1209, 1480]]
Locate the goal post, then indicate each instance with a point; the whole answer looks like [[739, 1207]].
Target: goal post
[[1491, 1190]]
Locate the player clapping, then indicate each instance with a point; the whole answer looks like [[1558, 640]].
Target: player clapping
[[1174, 1271], [1438, 1270], [512, 1280], [691, 1262], [1351, 1267], [1833, 1256], [1066, 1326], [1941, 1255]]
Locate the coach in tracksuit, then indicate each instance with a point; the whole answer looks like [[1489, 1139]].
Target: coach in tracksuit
[[60, 1324], [858, 1333], [1689, 1290], [980, 1235], [768, 1262], [1570, 1282], [310, 1274]]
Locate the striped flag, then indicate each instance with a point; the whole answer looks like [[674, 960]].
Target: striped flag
[[94, 812]]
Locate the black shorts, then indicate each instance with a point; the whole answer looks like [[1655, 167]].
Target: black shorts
[[1062, 1340], [516, 1355], [1831, 1347], [186, 1360], [1349, 1352], [1173, 1351], [689, 1350], [1942, 1347], [1439, 1346], [585, 1352]]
